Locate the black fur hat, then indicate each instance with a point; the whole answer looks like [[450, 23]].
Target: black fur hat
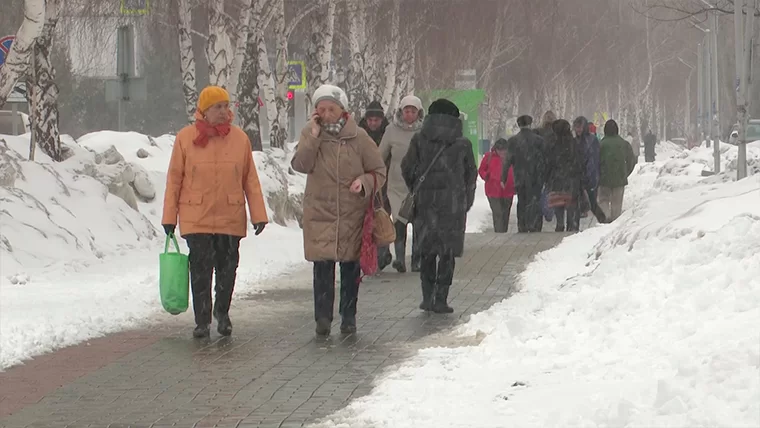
[[444, 106]]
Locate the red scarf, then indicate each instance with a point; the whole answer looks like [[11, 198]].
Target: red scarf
[[206, 131]]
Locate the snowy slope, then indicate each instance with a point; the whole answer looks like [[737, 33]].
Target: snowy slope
[[84, 263], [651, 321]]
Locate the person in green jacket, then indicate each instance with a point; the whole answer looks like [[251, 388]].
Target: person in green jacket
[[617, 163]]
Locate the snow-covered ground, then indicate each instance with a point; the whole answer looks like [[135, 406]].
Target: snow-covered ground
[[651, 321], [78, 262]]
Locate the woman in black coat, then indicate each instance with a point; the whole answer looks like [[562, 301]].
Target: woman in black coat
[[445, 195], [565, 173]]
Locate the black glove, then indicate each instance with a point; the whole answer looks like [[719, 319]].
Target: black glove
[[169, 228], [259, 228]]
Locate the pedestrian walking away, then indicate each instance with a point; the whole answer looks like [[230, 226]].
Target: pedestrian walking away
[[618, 161], [650, 140], [342, 163], [375, 124], [406, 121], [500, 198], [565, 176], [211, 176], [526, 155], [589, 144], [444, 195]]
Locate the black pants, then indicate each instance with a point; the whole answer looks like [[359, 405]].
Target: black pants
[[529, 214], [400, 244], [500, 210], [573, 218], [324, 289], [436, 275], [601, 217], [212, 254]]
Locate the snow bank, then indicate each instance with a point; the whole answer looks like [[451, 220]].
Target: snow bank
[[651, 321], [78, 262]]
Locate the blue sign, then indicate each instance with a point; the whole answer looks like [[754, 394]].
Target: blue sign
[[296, 75], [5, 47]]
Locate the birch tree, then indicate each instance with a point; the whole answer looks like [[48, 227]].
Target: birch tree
[[391, 56], [249, 87], [319, 53], [187, 59], [278, 131], [218, 47], [43, 90], [17, 61]]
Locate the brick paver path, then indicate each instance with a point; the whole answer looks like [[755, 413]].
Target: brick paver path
[[273, 371]]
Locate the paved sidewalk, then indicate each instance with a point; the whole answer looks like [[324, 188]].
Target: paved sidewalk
[[273, 371]]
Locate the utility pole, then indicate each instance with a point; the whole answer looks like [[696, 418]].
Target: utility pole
[[700, 95], [715, 90], [708, 92], [744, 34], [687, 116]]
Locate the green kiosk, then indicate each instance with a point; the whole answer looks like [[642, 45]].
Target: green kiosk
[[468, 101]]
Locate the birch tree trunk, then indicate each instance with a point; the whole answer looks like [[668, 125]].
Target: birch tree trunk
[[244, 28], [391, 56], [17, 61], [187, 60], [278, 131], [248, 83], [266, 81], [319, 53], [355, 77], [219, 47], [43, 91]]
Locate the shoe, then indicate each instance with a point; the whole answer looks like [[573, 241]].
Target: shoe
[[323, 327], [441, 296], [416, 266], [559, 229], [386, 260], [224, 325], [348, 325], [201, 331], [427, 298], [400, 266]]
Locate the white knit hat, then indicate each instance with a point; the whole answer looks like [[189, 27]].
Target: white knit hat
[[332, 93], [410, 101]]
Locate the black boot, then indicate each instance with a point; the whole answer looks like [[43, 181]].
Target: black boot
[[323, 327], [201, 331], [400, 263], [440, 305], [224, 325], [427, 297], [415, 262], [348, 325]]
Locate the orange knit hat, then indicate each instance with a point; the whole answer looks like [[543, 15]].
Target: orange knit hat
[[211, 95]]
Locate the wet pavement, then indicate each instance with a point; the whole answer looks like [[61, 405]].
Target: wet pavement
[[273, 371]]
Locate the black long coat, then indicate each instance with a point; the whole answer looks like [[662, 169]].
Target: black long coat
[[525, 153], [448, 191], [565, 165]]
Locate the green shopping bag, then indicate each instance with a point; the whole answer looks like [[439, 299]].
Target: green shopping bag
[[173, 278]]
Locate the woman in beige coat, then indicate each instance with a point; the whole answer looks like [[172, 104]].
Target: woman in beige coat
[[393, 147], [342, 163]]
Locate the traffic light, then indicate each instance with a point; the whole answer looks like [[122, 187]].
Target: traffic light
[[291, 95]]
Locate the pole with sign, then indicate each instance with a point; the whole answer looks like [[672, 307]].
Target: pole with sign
[[126, 86]]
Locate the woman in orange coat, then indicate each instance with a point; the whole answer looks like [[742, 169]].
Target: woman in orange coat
[[211, 175]]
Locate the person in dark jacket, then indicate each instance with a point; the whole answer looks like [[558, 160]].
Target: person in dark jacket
[[375, 123], [445, 196], [589, 144], [618, 161], [525, 153], [649, 142], [565, 176]]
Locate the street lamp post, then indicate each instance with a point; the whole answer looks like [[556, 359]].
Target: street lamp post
[[700, 95], [744, 35], [687, 115]]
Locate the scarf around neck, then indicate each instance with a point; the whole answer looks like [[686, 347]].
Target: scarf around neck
[[335, 128], [206, 131]]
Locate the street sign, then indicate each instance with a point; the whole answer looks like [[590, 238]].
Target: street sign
[[135, 7], [18, 94], [296, 75], [5, 47], [466, 79]]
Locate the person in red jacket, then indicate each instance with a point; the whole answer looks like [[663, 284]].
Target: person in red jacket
[[500, 198]]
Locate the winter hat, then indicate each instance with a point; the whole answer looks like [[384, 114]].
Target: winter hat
[[444, 106], [332, 93], [211, 95], [410, 101], [611, 128], [374, 109]]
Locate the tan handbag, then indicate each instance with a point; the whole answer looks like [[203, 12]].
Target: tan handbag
[[382, 229]]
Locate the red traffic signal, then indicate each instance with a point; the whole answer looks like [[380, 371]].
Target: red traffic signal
[[290, 95]]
